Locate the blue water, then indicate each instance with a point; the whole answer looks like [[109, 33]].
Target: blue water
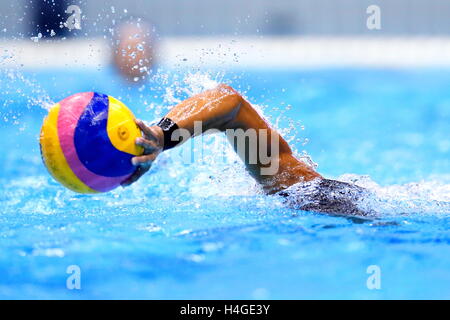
[[204, 230]]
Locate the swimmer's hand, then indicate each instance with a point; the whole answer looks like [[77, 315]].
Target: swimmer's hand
[[152, 141]]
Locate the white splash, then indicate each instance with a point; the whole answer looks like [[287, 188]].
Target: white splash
[[37, 97], [193, 83], [425, 197]]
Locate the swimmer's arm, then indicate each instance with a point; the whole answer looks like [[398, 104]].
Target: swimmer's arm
[[224, 108]]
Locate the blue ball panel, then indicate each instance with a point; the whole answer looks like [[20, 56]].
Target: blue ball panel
[[94, 149]]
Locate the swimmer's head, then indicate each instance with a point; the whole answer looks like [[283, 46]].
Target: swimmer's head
[[133, 52]]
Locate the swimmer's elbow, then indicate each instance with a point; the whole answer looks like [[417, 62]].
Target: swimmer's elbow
[[230, 92], [226, 88], [232, 100]]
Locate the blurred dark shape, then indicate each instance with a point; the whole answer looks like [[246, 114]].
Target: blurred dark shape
[[281, 23], [134, 49], [48, 18]]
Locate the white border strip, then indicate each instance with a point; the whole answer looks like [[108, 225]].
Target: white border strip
[[91, 53], [276, 52]]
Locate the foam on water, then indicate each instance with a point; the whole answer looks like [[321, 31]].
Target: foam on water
[[425, 197]]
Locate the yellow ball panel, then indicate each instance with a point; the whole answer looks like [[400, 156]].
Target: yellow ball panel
[[121, 128], [53, 155]]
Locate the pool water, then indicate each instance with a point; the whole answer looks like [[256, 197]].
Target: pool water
[[204, 230]]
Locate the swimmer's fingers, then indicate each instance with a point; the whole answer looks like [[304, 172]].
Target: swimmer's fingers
[[148, 145], [140, 171], [149, 132], [145, 160]]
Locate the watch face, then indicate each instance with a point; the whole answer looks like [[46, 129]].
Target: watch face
[[166, 124]]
